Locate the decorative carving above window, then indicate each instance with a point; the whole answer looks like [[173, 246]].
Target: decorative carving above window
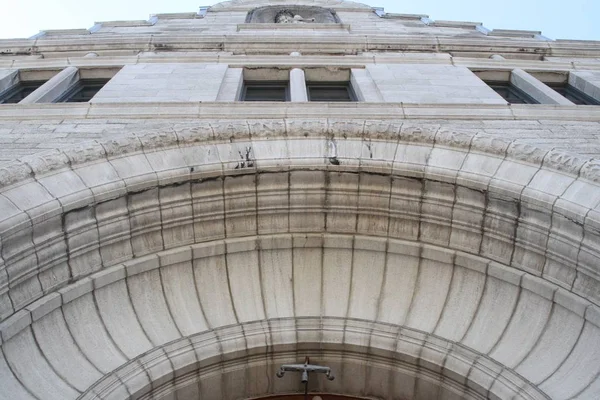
[[292, 15]]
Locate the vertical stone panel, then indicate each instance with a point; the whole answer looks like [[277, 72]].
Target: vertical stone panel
[[163, 83], [429, 83]]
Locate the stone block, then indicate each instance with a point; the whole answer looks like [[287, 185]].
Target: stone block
[[117, 313], [82, 238], [15, 324], [68, 188], [145, 222], [431, 83], [152, 311], [272, 203], [191, 81], [108, 276], [208, 210], [102, 179], [76, 290], [44, 306], [176, 215]]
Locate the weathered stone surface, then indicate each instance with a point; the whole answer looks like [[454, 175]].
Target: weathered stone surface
[[429, 240]]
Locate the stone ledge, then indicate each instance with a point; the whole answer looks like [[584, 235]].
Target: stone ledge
[[112, 60], [248, 110]]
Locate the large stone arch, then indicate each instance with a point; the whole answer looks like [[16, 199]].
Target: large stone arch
[[456, 244]]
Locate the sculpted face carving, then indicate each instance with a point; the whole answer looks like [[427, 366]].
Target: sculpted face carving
[[288, 17]]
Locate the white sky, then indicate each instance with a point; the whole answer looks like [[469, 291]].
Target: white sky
[[557, 19]]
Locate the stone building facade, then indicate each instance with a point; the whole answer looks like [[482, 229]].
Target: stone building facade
[[189, 202]]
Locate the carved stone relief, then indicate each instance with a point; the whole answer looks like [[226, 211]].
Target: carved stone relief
[[292, 15]]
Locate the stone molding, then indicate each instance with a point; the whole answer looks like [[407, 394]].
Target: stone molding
[[42, 163], [111, 60], [388, 111], [304, 43], [44, 215]]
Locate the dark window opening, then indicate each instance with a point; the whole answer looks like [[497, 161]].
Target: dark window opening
[[265, 91], [574, 95], [19, 91], [336, 91], [82, 91], [511, 93]]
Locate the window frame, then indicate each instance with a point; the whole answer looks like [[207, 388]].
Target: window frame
[[571, 92], [512, 89], [80, 86], [18, 88], [266, 84], [334, 84]]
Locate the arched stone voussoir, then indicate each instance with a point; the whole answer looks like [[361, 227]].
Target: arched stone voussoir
[[87, 208], [428, 318], [191, 366]]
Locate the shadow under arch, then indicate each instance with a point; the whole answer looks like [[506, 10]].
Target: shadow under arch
[[526, 211]]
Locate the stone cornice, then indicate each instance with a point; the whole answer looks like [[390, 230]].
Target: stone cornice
[[333, 44], [348, 61], [254, 129]]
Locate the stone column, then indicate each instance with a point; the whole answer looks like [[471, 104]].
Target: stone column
[[298, 85], [587, 82], [537, 89], [52, 89]]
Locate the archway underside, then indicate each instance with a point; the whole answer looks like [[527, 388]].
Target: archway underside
[[417, 270]]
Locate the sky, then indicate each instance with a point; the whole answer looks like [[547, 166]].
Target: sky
[[557, 19]]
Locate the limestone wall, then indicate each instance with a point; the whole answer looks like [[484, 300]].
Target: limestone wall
[[19, 138], [163, 82], [431, 84]]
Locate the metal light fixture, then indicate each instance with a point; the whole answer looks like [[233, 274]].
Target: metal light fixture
[[305, 368]]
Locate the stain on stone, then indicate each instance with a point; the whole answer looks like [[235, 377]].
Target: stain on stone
[[370, 147], [332, 152], [247, 161], [162, 47]]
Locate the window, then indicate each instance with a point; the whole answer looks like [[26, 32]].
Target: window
[[82, 91], [572, 94], [295, 85], [511, 93], [265, 91], [330, 91], [19, 91]]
